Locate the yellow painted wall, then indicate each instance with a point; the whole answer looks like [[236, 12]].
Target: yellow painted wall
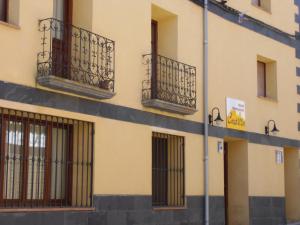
[[167, 31], [82, 13], [19, 47], [266, 177], [292, 183], [122, 154], [233, 52], [233, 73], [280, 16], [216, 167]]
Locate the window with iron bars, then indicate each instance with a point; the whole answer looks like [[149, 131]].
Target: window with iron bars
[[167, 170], [46, 161]]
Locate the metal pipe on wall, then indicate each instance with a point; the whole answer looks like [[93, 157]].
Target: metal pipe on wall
[[205, 100]]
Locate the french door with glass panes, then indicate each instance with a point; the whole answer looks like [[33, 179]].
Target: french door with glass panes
[[61, 37], [33, 166]]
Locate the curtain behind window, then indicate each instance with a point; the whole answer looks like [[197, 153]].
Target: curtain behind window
[[14, 151]]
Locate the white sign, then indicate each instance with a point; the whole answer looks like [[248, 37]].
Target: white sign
[[220, 146], [279, 157], [235, 114]]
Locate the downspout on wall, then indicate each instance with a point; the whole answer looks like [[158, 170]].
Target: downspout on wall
[[205, 100]]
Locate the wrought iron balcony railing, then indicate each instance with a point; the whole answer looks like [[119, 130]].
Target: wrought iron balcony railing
[[169, 81], [76, 54]]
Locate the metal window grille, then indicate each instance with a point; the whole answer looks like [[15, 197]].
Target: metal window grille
[[167, 170], [45, 161], [76, 54], [169, 80]]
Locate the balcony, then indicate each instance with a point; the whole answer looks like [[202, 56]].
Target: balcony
[[75, 60], [169, 85]]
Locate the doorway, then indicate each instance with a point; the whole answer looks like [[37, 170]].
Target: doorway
[[154, 47], [226, 181], [62, 37], [292, 184], [236, 200]]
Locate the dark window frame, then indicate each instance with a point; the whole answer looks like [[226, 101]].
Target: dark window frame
[[26, 123], [61, 47], [20, 157], [258, 3], [168, 170], [154, 53], [264, 79], [4, 12]]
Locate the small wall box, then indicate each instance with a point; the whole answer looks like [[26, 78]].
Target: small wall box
[[279, 157], [220, 146]]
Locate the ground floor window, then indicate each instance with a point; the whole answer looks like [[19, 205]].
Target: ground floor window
[[167, 170], [45, 161]]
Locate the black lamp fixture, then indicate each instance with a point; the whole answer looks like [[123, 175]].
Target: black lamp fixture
[[224, 2], [274, 131], [218, 120]]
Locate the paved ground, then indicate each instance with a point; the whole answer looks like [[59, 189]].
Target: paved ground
[[297, 223]]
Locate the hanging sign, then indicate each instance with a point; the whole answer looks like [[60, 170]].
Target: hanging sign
[[235, 114]]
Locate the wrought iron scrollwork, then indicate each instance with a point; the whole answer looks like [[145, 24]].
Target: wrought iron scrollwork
[[169, 80], [76, 54]]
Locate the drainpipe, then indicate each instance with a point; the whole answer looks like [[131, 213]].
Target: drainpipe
[[205, 100]]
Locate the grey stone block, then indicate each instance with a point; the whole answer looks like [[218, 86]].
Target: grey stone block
[[142, 202], [114, 202], [195, 202], [97, 218], [74, 87], [164, 216], [75, 218], [116, 218], [140, 217], [267, 210], [182, 216], [262, 221], [168, 106]]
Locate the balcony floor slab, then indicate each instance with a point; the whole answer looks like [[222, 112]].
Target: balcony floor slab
[[74, 87], [168, 106]]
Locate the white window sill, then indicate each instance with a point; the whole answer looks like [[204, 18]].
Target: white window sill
[[10, 25], [45, 209], [262, 9], [269, 99]]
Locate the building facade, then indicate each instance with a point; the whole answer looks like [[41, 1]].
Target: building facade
[[102, 116]]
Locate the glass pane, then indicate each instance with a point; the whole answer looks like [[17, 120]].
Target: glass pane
[[58, 9], [58, 163], [3, 10], [58, 14], [13, 160], [36, 162]]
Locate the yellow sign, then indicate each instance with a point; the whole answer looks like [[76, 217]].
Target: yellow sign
[[235, 114]]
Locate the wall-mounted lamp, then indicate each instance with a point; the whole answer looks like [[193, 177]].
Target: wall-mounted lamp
[[274, 131], [223, 1], [218, 120]]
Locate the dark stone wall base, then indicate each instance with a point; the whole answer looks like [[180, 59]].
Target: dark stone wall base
[[137, 210], [267, 210], [125, 210]]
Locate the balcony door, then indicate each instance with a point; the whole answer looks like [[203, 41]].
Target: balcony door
[[154, 46], [61, 37]]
